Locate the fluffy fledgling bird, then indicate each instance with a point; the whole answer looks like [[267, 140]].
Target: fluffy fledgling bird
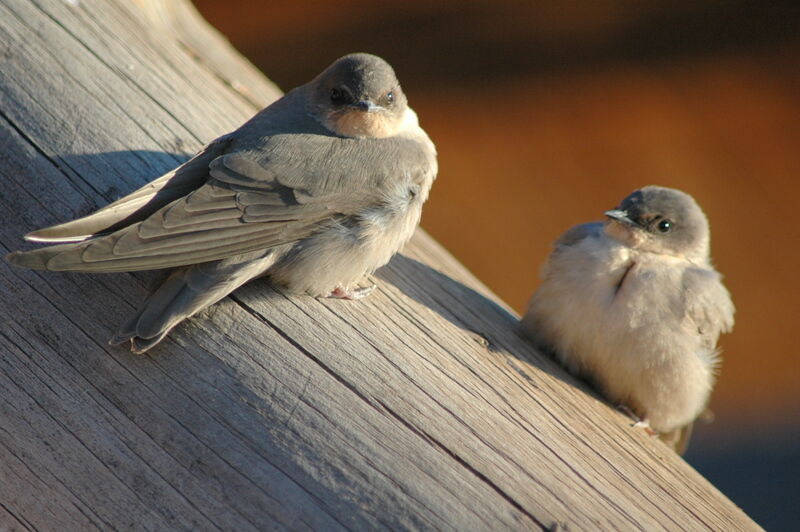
[[316, 191], [634, 305]]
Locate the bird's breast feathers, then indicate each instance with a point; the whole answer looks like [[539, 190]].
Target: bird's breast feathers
[[605, 273]]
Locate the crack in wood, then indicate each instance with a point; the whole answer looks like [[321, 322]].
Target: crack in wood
[[483, 478]]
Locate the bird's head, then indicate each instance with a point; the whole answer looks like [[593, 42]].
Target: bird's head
[[359, 96], [661, 220]]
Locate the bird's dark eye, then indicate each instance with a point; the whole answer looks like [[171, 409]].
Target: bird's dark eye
[[664, 226], [337, 96], [390, 97]]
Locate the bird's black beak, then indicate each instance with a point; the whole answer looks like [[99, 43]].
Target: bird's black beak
[[367, 106], [621, 216]]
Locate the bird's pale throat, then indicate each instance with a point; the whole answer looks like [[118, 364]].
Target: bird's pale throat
[[356, 123], [624, 233]]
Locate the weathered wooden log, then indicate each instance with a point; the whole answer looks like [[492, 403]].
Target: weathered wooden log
[[419, 407]]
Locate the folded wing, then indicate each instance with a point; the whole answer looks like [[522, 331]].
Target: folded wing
[[707, 304], [242, 207]]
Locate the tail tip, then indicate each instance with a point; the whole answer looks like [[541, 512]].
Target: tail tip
[[118, 339], [139, 345], [12, 257], [26, 259]]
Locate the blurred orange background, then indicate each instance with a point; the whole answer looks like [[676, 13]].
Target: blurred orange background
[[545, 115]]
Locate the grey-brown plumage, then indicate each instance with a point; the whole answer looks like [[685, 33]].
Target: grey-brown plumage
[[317, 190]]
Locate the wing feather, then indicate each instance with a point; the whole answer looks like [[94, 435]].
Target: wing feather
[[707, 304], [269, 192], [215, 221]]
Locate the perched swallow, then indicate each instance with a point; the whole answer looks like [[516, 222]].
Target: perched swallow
[[635, 305], [315, 191]]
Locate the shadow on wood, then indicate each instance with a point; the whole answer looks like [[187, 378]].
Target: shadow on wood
[[418, 407]]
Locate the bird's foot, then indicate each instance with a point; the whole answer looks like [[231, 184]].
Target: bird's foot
[[351, 294], [638, 422], [644, 424]]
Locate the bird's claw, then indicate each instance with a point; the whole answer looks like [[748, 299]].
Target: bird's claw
[[644, 424], [351, 294], [638, 423]]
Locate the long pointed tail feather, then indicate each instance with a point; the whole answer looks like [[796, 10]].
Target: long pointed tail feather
[[185, 292]]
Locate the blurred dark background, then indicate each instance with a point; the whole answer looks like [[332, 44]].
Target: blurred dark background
[[546, 114]]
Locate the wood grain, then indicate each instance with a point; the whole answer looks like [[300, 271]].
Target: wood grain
[[418, 408]]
